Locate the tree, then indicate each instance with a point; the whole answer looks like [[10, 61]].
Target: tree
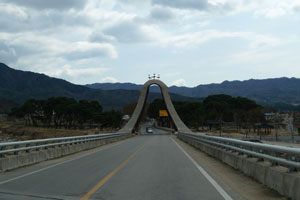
[[112, 119], [33, 109], [154, 107], [129, 108], [219, 107], [60, 111], [191, 113]]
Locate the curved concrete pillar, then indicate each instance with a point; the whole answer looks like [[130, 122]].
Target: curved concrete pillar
[[131, 124]]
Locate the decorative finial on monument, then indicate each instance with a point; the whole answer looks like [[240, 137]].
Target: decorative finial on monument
[[154, 76]]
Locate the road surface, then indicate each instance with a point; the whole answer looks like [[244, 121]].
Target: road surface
[[141, 168]]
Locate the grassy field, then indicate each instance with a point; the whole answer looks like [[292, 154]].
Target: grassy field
[[230, 132], [18, 131]]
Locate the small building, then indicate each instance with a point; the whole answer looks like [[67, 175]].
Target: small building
[[269, 116], [212, 124], [266, 127], [125, 117]]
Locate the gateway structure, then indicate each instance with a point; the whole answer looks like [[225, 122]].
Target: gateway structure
[[134, 120]]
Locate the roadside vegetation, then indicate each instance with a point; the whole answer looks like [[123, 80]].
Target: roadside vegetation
[[66, 113], [16, 130], [214, 111]]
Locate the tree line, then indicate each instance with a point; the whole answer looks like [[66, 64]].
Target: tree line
[[214, 109], [63, 112]]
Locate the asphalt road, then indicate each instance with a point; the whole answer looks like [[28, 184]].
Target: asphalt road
[[144, 167], [155, 130]]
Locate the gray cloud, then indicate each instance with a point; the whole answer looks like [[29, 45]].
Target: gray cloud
[[296, 8], [7, 54], [20, 20], [135, 3], [184, 4], [100, 37], [85, 50], [161, 14], [79, 55], [200, 5], [68, 19], [15, 47], [127, 32], [50, 4]]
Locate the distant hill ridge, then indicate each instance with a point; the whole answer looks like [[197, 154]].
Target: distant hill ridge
[[18, 86], [264, 91], [115, 86]]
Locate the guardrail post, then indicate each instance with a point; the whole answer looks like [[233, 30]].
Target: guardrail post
[[292, 169], [46, 146], [27, 150], [223, 148], [275, 154], [232, 150], [240, 153], [2, 155], [37, 149], [260, 159], [16, 152], [250, 149]]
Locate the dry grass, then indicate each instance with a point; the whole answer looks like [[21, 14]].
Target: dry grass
[[217, 133], [18, 131], [242, 132]]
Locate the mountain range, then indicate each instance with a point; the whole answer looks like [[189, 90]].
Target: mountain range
[[17, 86], [265, 91]]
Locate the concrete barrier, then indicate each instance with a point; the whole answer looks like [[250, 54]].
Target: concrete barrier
[[23, 159], [276, 177], [165, 129]]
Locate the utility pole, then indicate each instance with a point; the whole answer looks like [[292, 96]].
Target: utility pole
[[290, 126]]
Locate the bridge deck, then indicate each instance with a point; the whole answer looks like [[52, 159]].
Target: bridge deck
[[144, 167]]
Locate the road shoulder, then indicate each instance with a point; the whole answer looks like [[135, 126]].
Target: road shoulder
[[41, 166], [237, 184]]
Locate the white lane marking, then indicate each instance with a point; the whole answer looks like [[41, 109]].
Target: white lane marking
[[205, 174], [30, 173]]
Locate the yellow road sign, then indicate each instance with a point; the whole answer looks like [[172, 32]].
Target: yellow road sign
[[163, 113]]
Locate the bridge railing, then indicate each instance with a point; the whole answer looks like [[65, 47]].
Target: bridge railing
[[277, 155], [28, 145]]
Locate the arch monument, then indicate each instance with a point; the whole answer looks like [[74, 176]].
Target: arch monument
[[134, 119]]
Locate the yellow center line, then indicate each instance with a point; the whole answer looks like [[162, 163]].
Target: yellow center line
[[111, 174]]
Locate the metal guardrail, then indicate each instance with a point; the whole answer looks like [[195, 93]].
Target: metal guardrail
[[277, 155], [279, 138], [27, 145]]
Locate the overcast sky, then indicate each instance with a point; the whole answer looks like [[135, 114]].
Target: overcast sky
[[188, 42]]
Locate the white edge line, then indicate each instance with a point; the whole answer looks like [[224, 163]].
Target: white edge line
[[205, 174], [39, 170]]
